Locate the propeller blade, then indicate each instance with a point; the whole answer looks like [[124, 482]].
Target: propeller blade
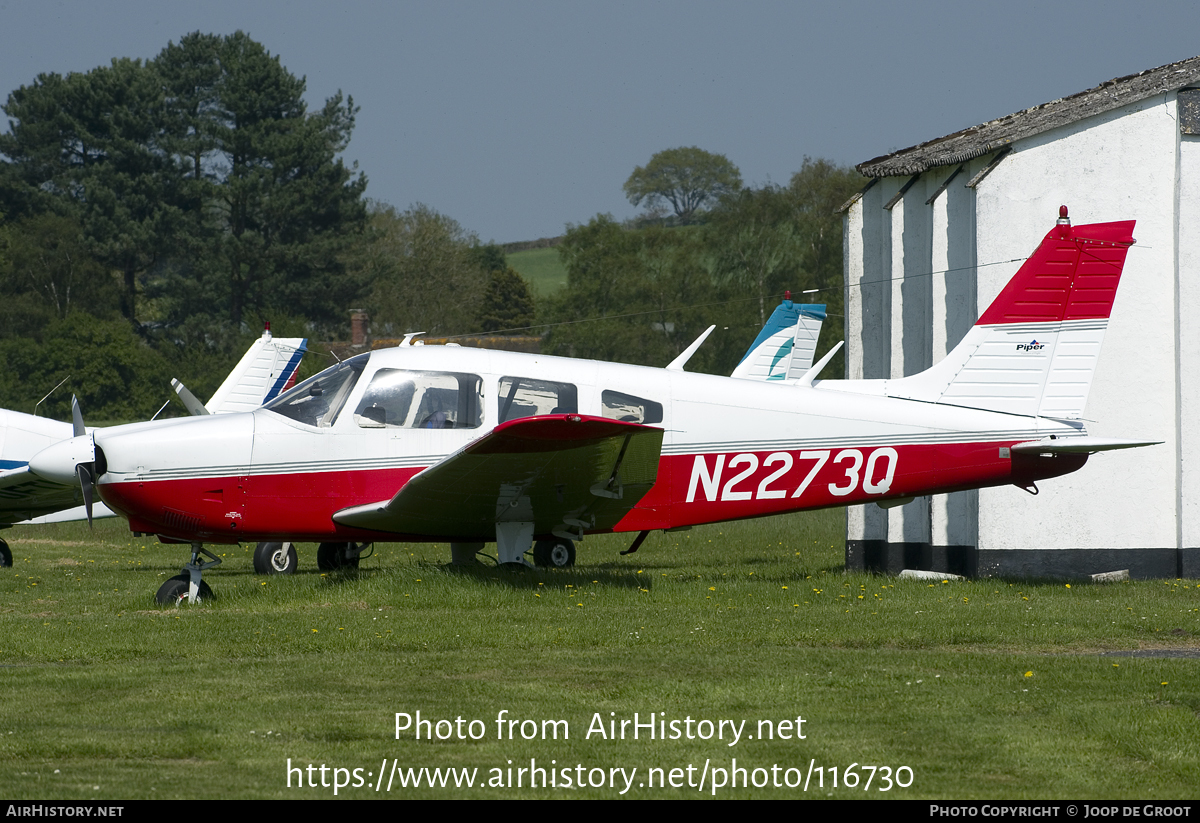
[[87, 485], [76, 417], [189, 400]]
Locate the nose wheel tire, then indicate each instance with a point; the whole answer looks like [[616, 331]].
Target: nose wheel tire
[[332, 556], [175, 590], [275, 558], [555, 554], [5, 555]]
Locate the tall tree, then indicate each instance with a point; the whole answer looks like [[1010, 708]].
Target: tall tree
[[284, 203], [634, 296], [200, 175], [88, 145], [756, 244], [687, 178], [507, 302], [425, 274], [50, 261], [767, 240]]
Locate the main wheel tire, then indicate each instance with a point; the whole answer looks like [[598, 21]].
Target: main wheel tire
[[555, 554], [332, 556], [5, 555], [275, 558], [175, 590]]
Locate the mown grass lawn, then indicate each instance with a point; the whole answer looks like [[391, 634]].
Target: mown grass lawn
[[983, 689]]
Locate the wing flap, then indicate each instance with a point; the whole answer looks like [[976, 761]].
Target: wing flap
[[554, 471]]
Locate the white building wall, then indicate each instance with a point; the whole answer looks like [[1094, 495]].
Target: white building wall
[[868, 318], [955, 520], [1187, 327], [1127, 164], [1120, 165], [910, 329]]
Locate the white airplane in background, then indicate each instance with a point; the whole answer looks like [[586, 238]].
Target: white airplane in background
[[267, 368], [471, 446]]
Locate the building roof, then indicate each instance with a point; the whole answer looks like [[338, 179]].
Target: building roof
[[995, 134]]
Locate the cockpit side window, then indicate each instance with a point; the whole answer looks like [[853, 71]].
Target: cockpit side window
[[400, 398], [525, 397], [317, 401], [630, 409]]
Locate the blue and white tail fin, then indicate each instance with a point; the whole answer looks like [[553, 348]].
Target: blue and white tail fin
[[785, 347], [267, 368]]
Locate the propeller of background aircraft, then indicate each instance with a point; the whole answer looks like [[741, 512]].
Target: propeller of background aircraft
[[72, 460]]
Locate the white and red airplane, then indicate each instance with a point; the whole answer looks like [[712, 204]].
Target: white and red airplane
[[471, 446]]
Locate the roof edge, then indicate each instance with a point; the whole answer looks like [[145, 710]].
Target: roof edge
[[979, 140]]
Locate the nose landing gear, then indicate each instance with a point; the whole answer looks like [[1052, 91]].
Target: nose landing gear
[[189, 585]]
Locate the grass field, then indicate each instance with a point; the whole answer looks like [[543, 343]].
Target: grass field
[[541, 268], [984, 689]]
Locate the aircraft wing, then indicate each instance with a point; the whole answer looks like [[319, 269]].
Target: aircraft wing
[[557, 471], [24, 495]]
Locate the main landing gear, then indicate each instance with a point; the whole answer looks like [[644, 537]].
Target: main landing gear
[[334, 556], [275, 558], [557, 553], [280, 558], [5, 555], [189, 585]]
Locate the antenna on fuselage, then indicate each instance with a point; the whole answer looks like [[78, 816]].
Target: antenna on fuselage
[[677, 363]]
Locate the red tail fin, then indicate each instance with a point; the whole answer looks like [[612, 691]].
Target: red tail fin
[[1073, 275]]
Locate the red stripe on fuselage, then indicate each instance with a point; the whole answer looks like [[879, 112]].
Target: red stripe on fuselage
[[690, 490], [710, 488], [298, 507]]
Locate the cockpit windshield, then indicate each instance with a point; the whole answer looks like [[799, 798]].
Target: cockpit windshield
[[317, 401]]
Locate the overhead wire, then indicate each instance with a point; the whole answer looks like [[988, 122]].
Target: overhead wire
[[818, 290]]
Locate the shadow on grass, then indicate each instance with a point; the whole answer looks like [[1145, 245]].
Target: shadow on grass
[[517, 577]]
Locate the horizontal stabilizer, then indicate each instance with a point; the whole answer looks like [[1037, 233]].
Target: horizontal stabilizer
[[1078, 445]]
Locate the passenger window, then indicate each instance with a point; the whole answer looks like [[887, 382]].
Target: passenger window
[[526, 397], [398, 398], [630, 409]]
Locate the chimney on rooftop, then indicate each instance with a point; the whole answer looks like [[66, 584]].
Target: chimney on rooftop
[[359, 328]]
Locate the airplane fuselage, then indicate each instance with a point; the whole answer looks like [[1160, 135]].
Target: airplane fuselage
[[732, 448]]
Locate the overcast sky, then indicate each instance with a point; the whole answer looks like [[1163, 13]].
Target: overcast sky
[[517, 118]]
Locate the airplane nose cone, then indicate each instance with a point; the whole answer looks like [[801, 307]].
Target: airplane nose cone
[[57, 463]]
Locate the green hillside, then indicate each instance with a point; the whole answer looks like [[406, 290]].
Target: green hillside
[[541, 268]]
